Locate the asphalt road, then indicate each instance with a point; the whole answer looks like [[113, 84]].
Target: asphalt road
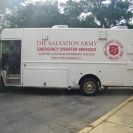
[[34, 110]]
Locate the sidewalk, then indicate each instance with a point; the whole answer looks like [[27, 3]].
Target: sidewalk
[[119, 120]]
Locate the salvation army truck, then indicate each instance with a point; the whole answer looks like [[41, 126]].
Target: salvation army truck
[[88, 59]]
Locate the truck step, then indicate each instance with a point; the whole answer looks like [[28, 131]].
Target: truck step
[[13, 79]]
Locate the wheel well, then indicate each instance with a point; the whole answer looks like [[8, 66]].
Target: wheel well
[[90, 76]]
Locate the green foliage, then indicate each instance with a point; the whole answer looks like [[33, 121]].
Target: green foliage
[[73, 9], [6, 7], [130, 26], [116, 13], [4, 4], [89, 22], [44, 14], [10, 47], [82, 13], [108, 14]]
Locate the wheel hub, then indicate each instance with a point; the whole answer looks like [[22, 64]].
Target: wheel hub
[[89, 87]]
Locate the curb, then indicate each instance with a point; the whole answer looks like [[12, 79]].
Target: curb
[[106, 116]]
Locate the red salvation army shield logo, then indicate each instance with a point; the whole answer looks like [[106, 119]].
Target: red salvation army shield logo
[[113, 50]]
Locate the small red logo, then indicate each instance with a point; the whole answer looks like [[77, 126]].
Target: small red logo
[[113, 50]]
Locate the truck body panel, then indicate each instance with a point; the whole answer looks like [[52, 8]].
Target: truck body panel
[[61, 57]]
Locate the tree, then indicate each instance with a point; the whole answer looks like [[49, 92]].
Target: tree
[[82, 13], [74, 11], [4, 4], [89, 21], [108, 14], [42, 14], [5, 7]]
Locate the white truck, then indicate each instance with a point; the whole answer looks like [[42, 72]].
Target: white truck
[[88, 59]]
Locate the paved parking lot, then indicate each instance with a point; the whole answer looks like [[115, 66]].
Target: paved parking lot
[[34, 110]]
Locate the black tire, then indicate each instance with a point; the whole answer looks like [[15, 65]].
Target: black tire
[[2, 85], [89, 87]]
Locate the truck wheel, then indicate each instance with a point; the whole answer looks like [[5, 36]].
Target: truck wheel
[[89, 87]]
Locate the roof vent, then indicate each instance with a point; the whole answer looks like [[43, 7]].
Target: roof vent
[[60, 26], [118, 27]]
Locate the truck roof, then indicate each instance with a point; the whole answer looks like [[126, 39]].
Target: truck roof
[[16, 33]]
